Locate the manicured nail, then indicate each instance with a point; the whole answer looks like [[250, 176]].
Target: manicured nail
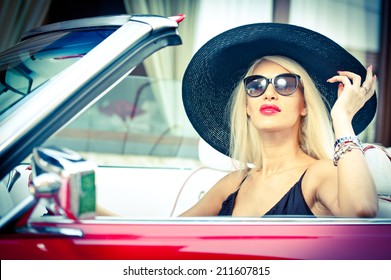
[[340, 85]]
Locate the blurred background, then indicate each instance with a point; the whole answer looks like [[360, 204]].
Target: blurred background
[[360, 26]]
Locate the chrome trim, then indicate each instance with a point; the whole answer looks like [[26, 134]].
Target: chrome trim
[[103, 21], [156, 22], [99, 220], [238, 221], [65, 232], [49, 219]]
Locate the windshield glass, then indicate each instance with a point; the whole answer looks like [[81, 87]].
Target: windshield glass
[[36, 60], [137, 133]]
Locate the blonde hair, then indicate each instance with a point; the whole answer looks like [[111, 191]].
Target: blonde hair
[[315, 135]]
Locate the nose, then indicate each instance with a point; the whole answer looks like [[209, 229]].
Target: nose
[[270, 93]]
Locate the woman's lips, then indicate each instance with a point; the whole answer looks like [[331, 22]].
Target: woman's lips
[[269, 109]]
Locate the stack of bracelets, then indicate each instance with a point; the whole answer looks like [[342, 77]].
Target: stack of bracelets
[[345, 144]]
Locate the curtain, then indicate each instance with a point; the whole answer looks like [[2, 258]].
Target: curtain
[[169, 64], [218, 16], [355, 25], [18, 16], [383, 129], [204, 20]]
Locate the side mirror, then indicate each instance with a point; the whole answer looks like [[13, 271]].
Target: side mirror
[[46, 187]]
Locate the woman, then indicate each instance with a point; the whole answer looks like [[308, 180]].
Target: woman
[[279, 123]]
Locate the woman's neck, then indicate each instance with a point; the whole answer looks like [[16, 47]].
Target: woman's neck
[[280, 153]]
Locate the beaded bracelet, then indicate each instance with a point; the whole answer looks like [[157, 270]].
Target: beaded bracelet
[[347, 139], [342, 150]]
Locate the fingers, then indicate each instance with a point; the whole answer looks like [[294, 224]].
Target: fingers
[[369, 74], [352, 94], [370, 82], [342, 79], [356, 79], [374, 79], [351, 79], [371, 89], [340, 88], [367, 84], [347, 78]]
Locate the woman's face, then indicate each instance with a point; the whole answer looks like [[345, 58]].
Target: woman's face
[[272, 111]]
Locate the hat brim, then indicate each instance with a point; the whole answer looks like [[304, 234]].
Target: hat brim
[[219, 65]]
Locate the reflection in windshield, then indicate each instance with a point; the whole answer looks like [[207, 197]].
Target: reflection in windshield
[[16, 80], [140, 122], [34, 61]]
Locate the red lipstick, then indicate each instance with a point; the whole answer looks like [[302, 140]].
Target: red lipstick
[[269, 109]]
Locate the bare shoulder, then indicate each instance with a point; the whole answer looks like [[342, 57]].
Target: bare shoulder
[[321, 170], [211, 202], [230, 183]]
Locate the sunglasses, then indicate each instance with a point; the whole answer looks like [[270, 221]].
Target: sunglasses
[[284, 84]]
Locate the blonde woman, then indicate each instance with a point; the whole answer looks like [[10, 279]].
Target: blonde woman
[[286, 103]]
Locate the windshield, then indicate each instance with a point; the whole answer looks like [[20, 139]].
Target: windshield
[[138, 133], [36, 60]]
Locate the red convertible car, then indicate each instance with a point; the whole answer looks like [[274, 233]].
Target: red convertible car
[[98, 160]]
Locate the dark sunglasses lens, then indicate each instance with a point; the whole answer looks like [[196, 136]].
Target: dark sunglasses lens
[[285, 84], [255, 86]]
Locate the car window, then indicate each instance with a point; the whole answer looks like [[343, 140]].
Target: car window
[[140, 122], [134, 121], [137, 133], [144, 145], [34, 61]]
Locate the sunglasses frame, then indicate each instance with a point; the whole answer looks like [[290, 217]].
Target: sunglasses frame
[[271, 81]]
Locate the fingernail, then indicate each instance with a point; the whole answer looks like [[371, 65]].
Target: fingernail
[[375, 77], [370, 67], [340, 85]]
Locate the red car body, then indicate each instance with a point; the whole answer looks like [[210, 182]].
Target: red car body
[[207, 239]]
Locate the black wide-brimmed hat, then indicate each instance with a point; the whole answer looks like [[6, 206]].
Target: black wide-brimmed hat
[[219, 65]]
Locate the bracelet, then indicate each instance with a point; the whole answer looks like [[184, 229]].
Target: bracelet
[[342, 149], [347, 139]]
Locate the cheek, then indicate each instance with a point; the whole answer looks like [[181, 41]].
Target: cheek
[[250, 107]]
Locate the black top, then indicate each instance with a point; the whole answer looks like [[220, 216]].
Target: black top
[[292, 203]]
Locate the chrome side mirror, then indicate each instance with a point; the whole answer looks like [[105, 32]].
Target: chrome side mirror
[[46, 187]]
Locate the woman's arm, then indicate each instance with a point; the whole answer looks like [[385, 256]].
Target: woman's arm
[[356, 192]]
